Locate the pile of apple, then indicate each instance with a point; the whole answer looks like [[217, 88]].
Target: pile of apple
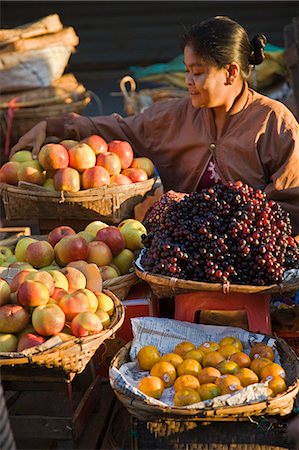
[[72, 165]]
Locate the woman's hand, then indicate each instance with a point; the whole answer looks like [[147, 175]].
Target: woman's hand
[[33, 139]]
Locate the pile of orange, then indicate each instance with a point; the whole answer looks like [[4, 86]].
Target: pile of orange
[[209, 370]]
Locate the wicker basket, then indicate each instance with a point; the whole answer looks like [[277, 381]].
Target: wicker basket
[[112, 204], [163, 286], [120, 286], [72, 355], [280, 405]]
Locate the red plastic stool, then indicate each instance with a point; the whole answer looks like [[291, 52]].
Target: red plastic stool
[[257, 307]]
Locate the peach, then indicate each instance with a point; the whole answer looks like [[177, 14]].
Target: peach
[[48, 319], [110, 161], [97, 143], [60, 280], [123, 150], [135, 175], [95, 177], [86, 323], [81, 157], [9, 173], [67, 180], [53, 156], [33, 293]]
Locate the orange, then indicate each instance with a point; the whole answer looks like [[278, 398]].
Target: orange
[[227, 367], [228, 340], [228, 350], [212, 359], [258, 363], [189, 366], [209, 346], [195, 354], [209, 390], [277, 385], [272, 370], [165, 371], [241, 359], [151, 386], [186, 382], [148, 356], [208, 375], [172, 358], [262, 350], [183, 347], [186, 397], [247, 376], [228, 384]]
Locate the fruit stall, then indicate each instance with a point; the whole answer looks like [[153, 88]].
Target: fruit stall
[[67, 317]]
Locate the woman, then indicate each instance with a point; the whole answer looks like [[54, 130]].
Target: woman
[[225, 130]]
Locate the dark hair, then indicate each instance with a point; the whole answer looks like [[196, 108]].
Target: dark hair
[[221, 40]]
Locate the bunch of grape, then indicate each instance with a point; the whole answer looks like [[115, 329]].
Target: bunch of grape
[[229, 232], [154, 215]]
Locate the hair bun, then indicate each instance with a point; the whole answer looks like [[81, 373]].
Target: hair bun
[[257, 54]]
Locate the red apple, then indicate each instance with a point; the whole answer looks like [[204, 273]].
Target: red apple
[[43, 277], [144, 163], [97, 143], [120, 180], [75, 278], [95, 177], [39, 254], [33, 293], [110, 161], [74, 303], [58, 233], [81, 157], [13, 318], [31, 172], [19, 278], [4, 292], [67, 180], [29, 340], [53, 156], [135, 174], [86, 323], [123, 150], [113, 238], [48, 319], [99, 253], [9, 173], [70, 248]]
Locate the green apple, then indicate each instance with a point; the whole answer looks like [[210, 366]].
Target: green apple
[[8, 342], [49, 184], [124, 261], [87, 236], [21, 247], [95, 226], [22, 156], [132, 230], [5, 252], [11, 259]]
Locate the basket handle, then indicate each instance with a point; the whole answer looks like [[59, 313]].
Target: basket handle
[[123, 83]]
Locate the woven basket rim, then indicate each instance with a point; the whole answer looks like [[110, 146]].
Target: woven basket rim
[[35, 355], [255, 408], [93, 193], [177, 285]]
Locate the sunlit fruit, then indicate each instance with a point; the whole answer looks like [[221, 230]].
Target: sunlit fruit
[[212, 359], [228, 384], [272, 370], [208, 391], [151, 386], [183, 347], [258, 364], [228, 340], [148, 356], [195, 354], [208, 375], [186, 382], [227, 350], [247, 376], [241, 359], [186, 397], [165, 371], [208, 347], [172, 358], [276, 384], [262, 350], [189, 366], [227, 367]]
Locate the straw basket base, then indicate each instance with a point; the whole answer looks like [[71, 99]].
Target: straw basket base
[[112, 204]]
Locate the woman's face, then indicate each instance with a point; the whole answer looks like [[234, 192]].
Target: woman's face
[[206, 83]]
